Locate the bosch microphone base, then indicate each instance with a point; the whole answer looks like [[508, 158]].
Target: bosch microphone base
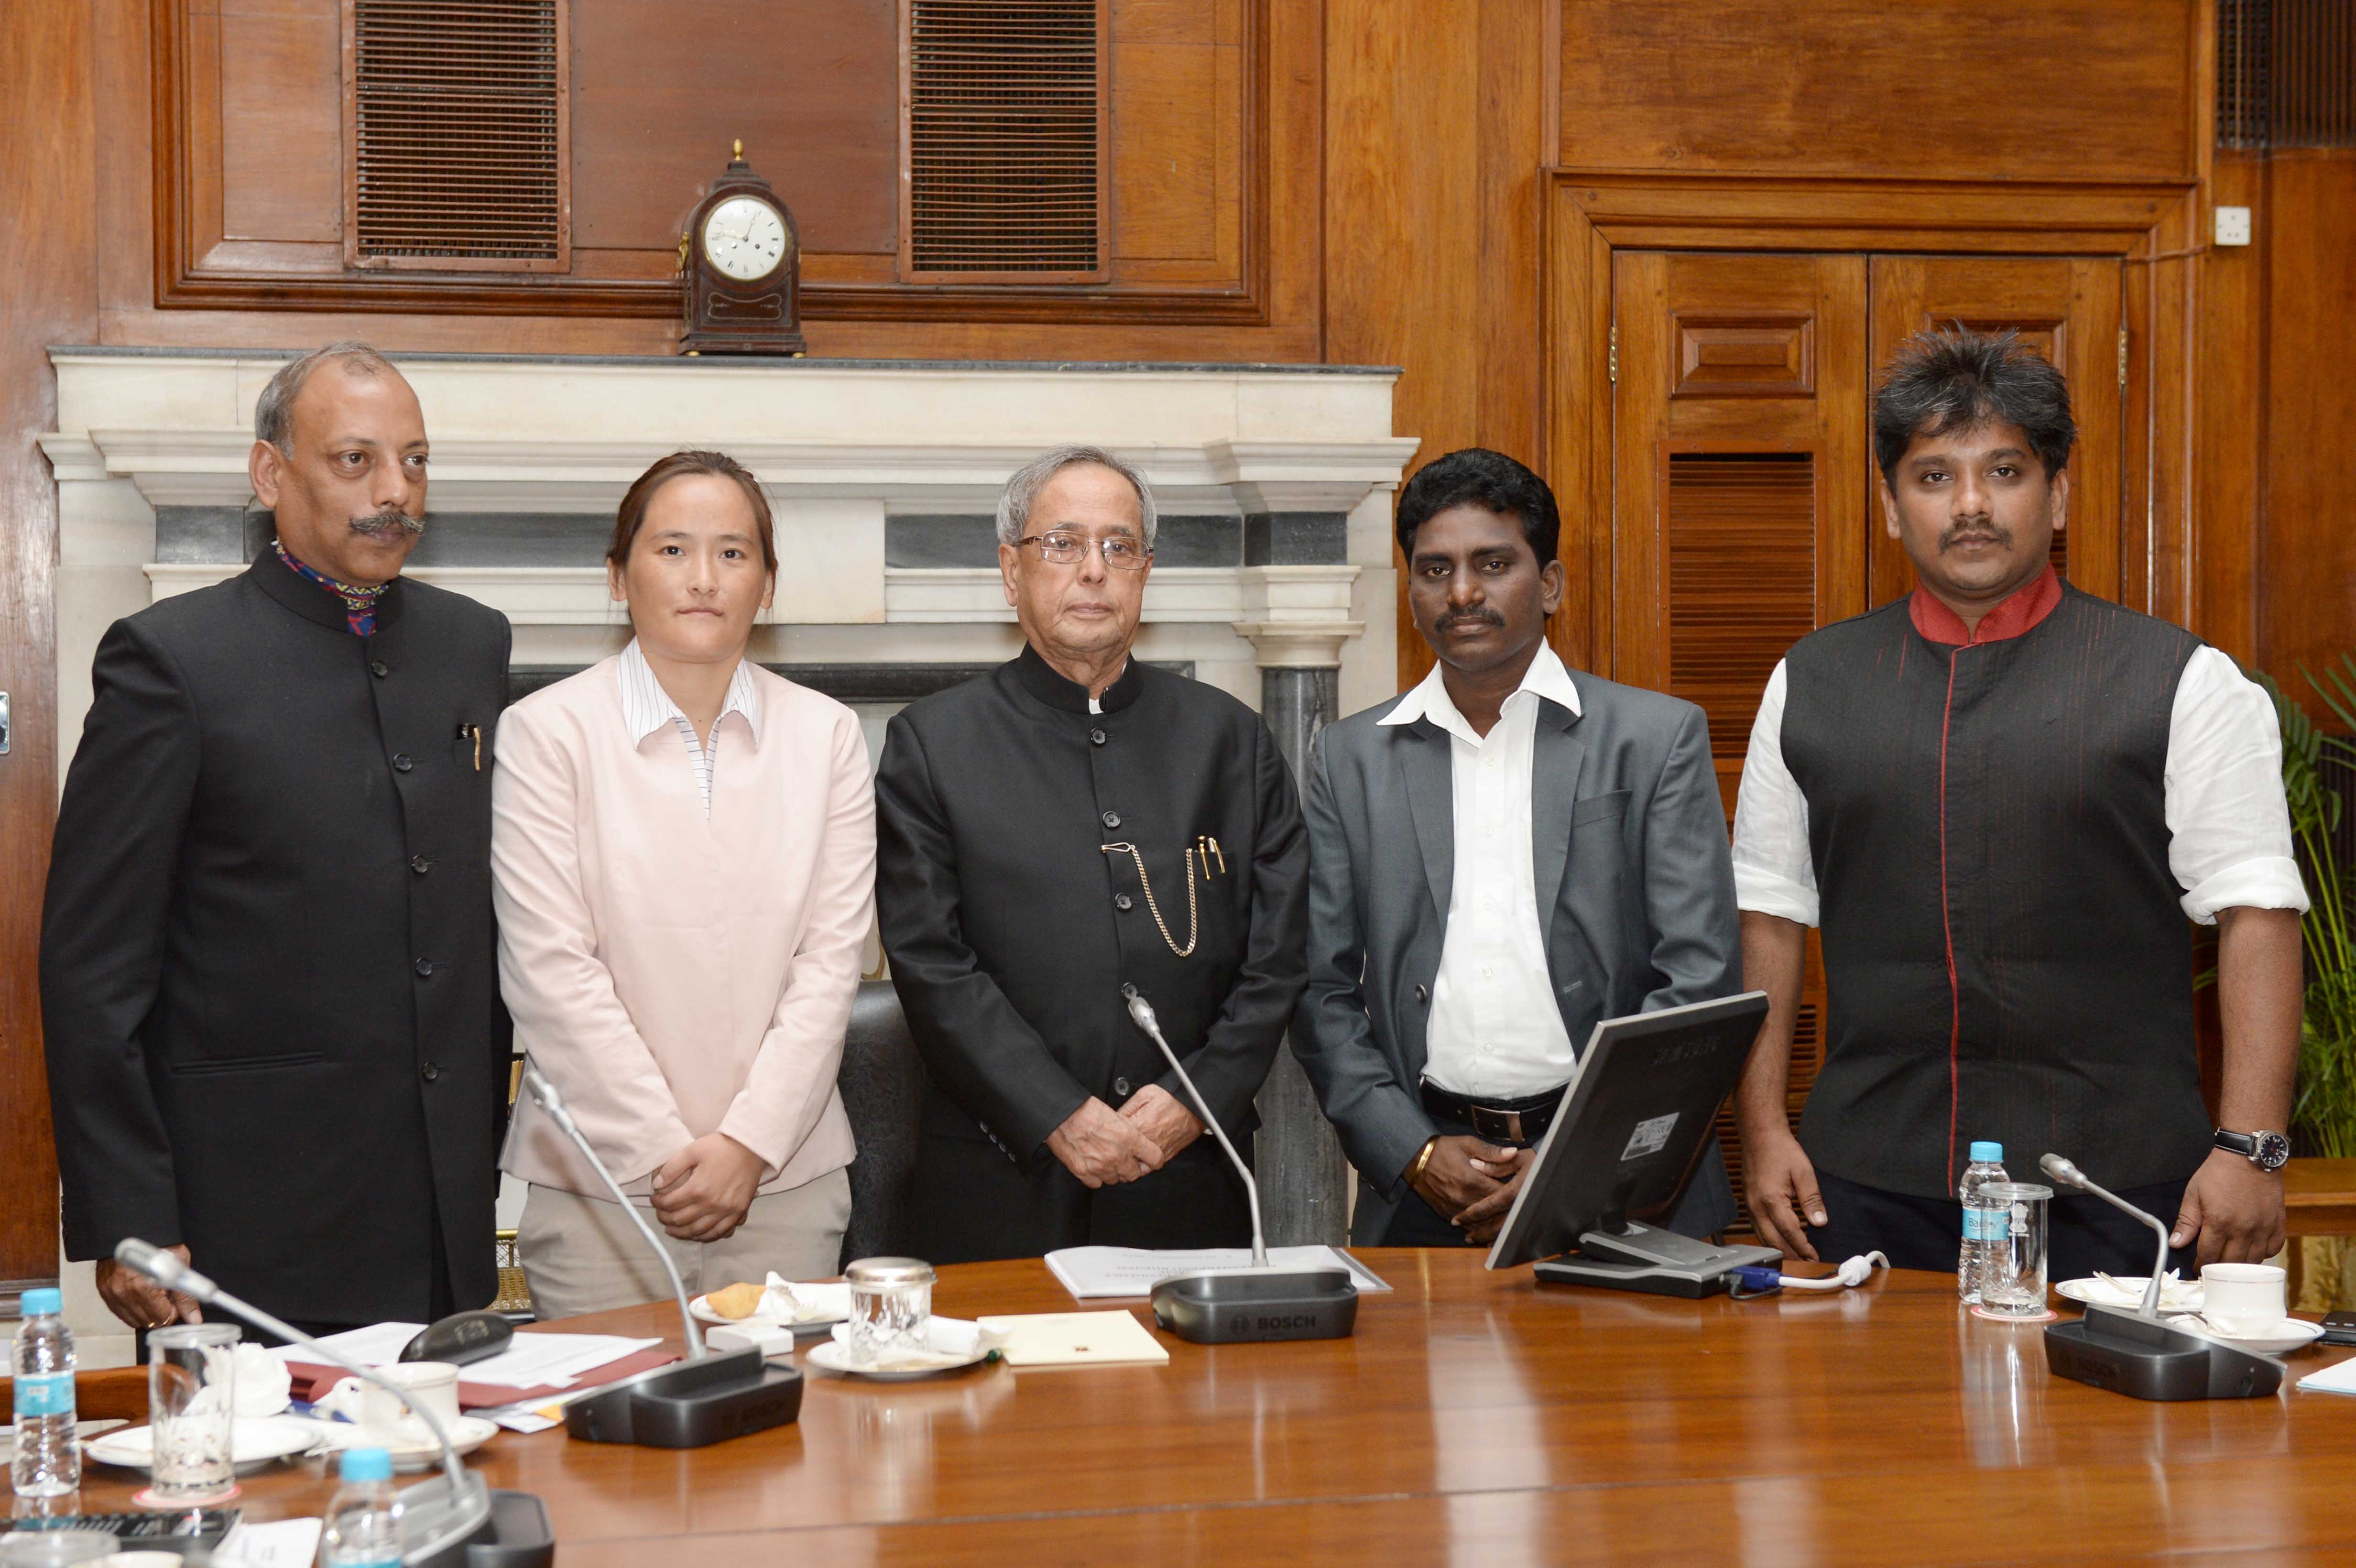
[[727, 1394], [1249, 1306], [2145, 1359], [516, 1535]]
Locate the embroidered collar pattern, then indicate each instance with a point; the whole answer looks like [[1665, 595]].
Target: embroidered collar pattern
[[359, 603]]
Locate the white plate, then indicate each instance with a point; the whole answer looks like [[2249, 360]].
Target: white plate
[[252, 1444], [701, 1310], [2186, 1295], [835, 1357], [2289, 1334], [467, 1434]]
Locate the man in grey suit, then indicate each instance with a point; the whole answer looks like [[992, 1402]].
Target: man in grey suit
[[1498, 860]]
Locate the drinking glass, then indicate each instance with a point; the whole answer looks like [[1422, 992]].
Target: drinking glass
[[191, 1401], [2013, 1281], [891, 1304]]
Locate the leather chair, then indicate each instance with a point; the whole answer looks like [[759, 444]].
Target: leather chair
[[883, 1085]]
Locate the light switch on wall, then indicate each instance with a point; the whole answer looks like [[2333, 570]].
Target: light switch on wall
[[2232, 225]]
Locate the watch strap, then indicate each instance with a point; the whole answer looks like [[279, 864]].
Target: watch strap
[[2243, 1143]]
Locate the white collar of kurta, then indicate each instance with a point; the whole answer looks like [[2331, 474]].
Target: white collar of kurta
[[1545, 677], [647, 707]]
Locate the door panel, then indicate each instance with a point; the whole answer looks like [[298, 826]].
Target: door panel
[[1738, 528], [2066, 308]]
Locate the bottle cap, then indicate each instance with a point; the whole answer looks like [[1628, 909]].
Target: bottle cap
[[1988, 1153], [40, 1303], [367, 1465]]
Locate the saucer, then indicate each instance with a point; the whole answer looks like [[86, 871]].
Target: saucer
[[253, 1444], [2288, 1335]]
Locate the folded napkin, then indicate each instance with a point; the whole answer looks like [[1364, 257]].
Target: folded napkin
[[784, 1302]]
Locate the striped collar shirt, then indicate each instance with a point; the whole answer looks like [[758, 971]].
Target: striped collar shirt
[[646, 707]]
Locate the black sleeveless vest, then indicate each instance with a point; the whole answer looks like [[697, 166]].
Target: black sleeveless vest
[[2005, 956]]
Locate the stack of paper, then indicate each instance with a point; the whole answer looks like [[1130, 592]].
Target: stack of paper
[[1090, 1273], [1074, 1338], [2337, 1379], [530, 1361]]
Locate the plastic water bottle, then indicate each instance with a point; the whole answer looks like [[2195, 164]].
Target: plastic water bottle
[[363, 1528], [1984, 1226], [48, 1461]]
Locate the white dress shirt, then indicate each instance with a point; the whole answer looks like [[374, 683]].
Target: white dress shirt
[[646, 707], [1495, 1031], [2229, 830]]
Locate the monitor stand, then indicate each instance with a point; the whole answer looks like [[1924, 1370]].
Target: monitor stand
[[1640, 1257]]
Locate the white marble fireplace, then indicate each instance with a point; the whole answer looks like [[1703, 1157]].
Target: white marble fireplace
[[1274, 486]]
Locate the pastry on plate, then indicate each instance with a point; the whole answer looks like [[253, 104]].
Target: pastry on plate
[[739, 1300]]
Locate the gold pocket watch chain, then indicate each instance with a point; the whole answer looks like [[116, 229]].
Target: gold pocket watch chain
[[1193, 919]]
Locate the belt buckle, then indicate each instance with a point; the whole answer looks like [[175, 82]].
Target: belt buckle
[[1497, 1126]]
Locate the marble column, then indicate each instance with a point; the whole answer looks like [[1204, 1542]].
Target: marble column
[[1304, 1182]]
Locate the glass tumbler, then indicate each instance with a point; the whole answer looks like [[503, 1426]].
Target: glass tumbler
[[891, 1304], [191, 1401], [2013, 1281]]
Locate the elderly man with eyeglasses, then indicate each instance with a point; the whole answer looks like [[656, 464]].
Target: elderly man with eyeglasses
[[1074, 821]]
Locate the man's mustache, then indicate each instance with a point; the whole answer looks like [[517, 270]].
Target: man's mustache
[[389, 524], [1975, 529], [1467, 617]]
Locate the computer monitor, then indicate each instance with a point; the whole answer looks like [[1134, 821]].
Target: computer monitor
[[1622, 1147]]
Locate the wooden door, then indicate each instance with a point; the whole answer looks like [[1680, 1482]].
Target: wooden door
[[2068, 309], [1738, 440]]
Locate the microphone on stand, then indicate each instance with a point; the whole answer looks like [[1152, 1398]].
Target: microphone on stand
[[443, 1523], [715, 1395], [2069, 1175], [543, 1093], [1220, 1307], [2140, 1353]]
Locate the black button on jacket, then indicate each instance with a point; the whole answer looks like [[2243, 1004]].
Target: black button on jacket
[[241, 1051]]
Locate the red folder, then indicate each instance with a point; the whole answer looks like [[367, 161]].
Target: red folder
[[312, 1381]]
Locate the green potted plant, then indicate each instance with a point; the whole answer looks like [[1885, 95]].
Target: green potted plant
[[2323, 1116]]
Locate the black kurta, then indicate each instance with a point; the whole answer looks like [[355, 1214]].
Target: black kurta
[[1011, 932], [268, 971], [2005, 956]]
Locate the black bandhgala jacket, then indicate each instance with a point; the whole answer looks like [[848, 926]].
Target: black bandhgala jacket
[[269, 976], [1010, 930]]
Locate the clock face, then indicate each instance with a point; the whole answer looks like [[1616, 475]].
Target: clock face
[[745, 238]]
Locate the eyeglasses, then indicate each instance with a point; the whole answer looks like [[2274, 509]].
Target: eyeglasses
[[1120, 552]]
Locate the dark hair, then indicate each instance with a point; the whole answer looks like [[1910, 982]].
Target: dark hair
[[632, 517], [1490, 480], [1943, 381]]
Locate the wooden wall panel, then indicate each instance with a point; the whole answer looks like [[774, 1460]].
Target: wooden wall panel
[[1437, 132], [1946, 89], [2230, 435], [282, 150], [47, 254], [1178, 135], [2308, 600], [661, 86]]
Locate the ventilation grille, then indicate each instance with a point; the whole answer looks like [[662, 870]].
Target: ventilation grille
[[2286, 73], [457, 114], [1005, 138], [1742, 579]]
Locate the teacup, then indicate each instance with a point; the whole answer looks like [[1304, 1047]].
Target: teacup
[[431, 1386], [2242, 1293]]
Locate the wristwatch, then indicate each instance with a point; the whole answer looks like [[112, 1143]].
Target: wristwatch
[[2267, 1151]]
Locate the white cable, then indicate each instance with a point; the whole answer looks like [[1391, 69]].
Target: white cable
[[1857, 1270]]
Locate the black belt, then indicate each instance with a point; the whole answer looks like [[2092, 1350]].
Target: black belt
[[1510, 1123]]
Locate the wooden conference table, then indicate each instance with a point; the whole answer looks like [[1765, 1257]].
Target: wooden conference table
[[1474, 1419]]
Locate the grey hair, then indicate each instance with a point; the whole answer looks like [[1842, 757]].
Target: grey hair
[[1015, 501], [273, 412]]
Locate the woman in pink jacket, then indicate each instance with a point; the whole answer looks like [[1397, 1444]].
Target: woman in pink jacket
[[683, 853]]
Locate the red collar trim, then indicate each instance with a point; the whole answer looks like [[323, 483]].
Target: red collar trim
[[2019, 614]]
